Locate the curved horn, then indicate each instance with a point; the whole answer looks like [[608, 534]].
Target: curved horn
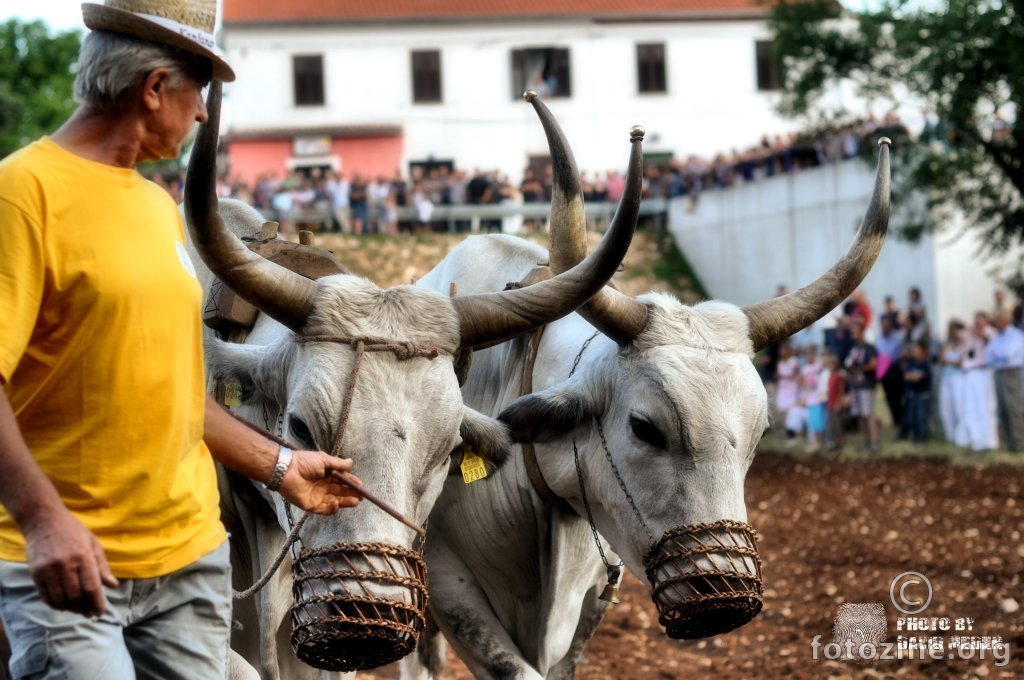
[[494, 317], [618, 316], [284, 295], [778, 318]]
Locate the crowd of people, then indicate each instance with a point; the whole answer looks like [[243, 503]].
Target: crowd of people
[[357, 203], [965, 387]]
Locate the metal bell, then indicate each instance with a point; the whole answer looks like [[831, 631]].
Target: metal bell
[[611, 590], [610, 594]]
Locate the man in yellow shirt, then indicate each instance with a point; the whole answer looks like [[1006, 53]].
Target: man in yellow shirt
[[113, 560]]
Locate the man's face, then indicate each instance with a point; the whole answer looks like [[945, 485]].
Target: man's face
[[180, 107]]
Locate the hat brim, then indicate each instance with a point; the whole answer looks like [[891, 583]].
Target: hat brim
[[103, 18]]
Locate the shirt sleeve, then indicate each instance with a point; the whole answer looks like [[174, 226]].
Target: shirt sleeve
[[22, 277]]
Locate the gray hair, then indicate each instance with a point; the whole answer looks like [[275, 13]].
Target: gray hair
[[111, 66]]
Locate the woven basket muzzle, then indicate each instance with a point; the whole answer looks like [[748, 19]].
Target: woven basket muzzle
[[338, 624], [706, 578]]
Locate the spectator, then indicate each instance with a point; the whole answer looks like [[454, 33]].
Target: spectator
[[532, 191], [787, 392], [892, 311], [1000, 304], [1018, 308], [835, 400], [980, 432], [1005, 354], [890, 370], [338, 191], [952, 381], [918, 376], [358, 201], [915, 305], [861, 365], [813, 396]]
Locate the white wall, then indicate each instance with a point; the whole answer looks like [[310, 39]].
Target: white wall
[[712, 102], [745, 241]]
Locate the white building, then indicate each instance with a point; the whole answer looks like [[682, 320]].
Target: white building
[[375, 86]]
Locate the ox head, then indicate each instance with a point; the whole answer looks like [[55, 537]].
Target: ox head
[[367, 373], [663, 415]]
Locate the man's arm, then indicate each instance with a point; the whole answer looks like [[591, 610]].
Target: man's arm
[[65, 559], [308, 482]]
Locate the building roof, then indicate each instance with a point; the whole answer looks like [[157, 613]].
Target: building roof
[[307, 11]]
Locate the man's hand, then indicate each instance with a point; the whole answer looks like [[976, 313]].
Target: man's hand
[[67, 564], [310, 483]]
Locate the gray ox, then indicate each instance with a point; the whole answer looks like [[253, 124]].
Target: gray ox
[[404, 416], [665, 409]]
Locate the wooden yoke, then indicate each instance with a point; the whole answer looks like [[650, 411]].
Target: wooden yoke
[[227, 313]]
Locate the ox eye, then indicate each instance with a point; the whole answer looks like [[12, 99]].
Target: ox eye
[[300, 431], [645, 431]]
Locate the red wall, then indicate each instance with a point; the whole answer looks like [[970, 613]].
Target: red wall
[[370, 156]]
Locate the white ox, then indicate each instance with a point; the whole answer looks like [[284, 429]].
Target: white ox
[[399, 412], [665, 409]]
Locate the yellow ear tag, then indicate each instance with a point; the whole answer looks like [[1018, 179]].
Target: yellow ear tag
[[232, 393], [473, 468]]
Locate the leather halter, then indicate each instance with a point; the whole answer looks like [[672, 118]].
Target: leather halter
[[529, 451], [538, 273]]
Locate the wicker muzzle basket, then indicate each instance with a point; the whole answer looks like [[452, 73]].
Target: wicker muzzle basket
[[338, 624], [706, 578]]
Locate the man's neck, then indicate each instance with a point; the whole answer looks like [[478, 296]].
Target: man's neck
[[104, 138]]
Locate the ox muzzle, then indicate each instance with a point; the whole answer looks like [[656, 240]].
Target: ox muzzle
[[357, 605], [706, 578]]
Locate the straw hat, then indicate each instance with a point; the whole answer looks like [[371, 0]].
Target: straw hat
[[185, 24]]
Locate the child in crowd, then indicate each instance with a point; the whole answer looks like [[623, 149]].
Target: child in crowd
[[787, 393], [917, 373], [812, 397], [835, 401]]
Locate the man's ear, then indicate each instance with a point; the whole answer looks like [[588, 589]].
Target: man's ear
[[154, 87]]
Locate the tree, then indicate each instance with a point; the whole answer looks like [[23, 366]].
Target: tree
[[961, 60], [36, 81]]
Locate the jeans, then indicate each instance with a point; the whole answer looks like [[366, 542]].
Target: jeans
[[173, 626], [915, 416]]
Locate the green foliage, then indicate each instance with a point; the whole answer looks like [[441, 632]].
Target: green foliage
[[962, 60], [36, 81]]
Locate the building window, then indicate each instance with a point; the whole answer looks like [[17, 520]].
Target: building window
[[308, 76], [426, 76], [650, 67], [769, 67], [543, 69]]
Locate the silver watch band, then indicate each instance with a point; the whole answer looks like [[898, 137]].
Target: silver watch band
[[284, 459]]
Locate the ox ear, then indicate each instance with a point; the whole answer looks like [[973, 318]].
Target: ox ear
[[253, 369], [485, 437], [546, 415]]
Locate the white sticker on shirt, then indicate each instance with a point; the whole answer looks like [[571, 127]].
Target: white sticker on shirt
[[186, 261]]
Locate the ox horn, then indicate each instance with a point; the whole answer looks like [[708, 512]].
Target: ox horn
[[284, 295], [778, 318], [494, 317], [618, 316]]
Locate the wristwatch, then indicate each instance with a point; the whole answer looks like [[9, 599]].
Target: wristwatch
[[284, 459]]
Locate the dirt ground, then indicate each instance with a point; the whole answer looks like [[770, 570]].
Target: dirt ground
[[837, 531]]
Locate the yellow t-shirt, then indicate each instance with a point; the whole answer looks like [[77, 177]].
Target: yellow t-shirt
[[101, 349]]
